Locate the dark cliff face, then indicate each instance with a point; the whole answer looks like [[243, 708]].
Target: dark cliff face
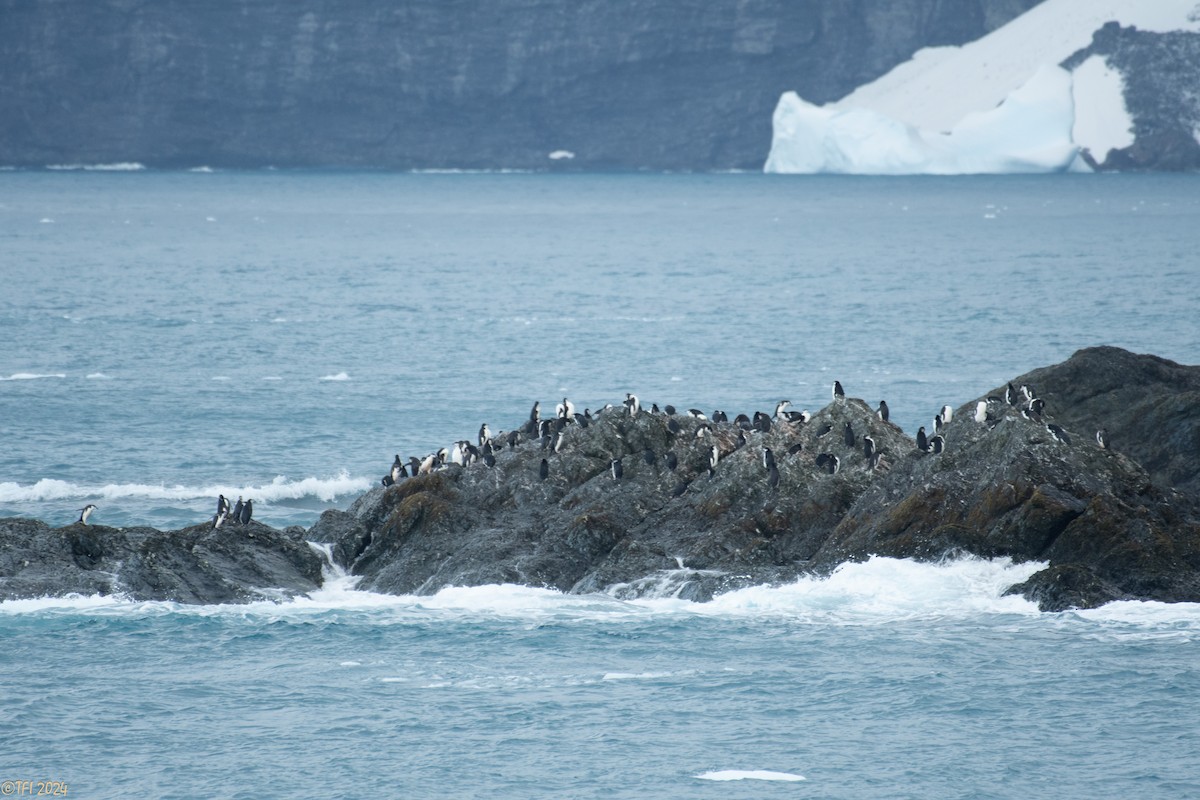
[[1160, 72], [441, 83]]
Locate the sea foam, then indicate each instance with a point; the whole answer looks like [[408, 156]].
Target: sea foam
[[280, 488]]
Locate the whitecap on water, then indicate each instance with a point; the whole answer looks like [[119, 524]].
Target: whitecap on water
[[749, 775], [341, 376], [32, 376]]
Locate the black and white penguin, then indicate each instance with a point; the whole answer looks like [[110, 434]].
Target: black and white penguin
[[565, 409], [848, 435], [1010, 395], [85, 512], [796, 417], [672, 460], [780, 407], [1102, 438], [236, 514], [222, 505], [883, 411], [922, 442], [873, 461], [947, 414], [654, 408], [798, 447], [937, 444], [937, 422], [679, 489], [673, 426], [1058, 433], [743, 422], [397, 469], [544, 470], [697, 413], [489, 460], [387, 481], [703, 431], [824, 431], [223, 515], [868, 446], [1037, 406], [838, 392], [720, 416], [247, 513], [981, 411], [617, 470], [427, 465], [763, 422], [484, 434], [632, 406], [773, 477], [714, 458], [556, 442], [768, 459], [513, 438], [669, 410], [649, 457], [535, 414], [414, 466], [583, 420], [1027, 393]]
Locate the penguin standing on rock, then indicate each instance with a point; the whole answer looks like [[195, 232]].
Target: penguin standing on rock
[[236, 516], [883, 410], [838, 392], [544, 470], [714, 458], [922, 441], [849, 435], [484, 435], [247, 512], [1102, 438], [868, 447], [617, 470], [768, 459], [84, 513]]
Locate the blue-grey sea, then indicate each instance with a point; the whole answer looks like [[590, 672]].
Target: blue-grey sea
[[281, 336]]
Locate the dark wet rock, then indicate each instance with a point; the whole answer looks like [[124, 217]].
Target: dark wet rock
[[194, 565], [1005, 488], [1121, 522]]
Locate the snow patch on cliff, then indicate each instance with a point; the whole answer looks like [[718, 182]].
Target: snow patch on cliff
[[994, 105]]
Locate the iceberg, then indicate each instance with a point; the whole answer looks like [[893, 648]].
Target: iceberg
[[1030, 131], [986, 106]]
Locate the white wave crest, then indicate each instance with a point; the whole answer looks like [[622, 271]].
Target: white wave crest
[[749, 775], [877, 592], [280, 488], [32, 376], [341, 376], [123, 166], [98, 376]]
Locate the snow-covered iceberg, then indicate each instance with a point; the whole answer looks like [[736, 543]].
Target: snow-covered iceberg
[[1029, 132], [998, 104]]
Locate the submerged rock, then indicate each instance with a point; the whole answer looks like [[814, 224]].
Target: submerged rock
[[1023, 480]]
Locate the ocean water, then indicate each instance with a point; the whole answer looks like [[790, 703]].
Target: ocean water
[[171, 336]]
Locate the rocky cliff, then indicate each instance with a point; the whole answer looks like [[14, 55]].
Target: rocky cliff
[[1161, 73], [698, 506], [440, 83]]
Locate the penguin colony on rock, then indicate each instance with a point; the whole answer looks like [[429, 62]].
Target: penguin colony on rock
[[552, 435]]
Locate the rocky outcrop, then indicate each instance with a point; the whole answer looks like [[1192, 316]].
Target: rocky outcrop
[[1160, 72], [1007, 486], [1024, 481], [195, 565], [455, 83]]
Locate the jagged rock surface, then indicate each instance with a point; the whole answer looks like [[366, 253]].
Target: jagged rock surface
[[1007, 487]]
